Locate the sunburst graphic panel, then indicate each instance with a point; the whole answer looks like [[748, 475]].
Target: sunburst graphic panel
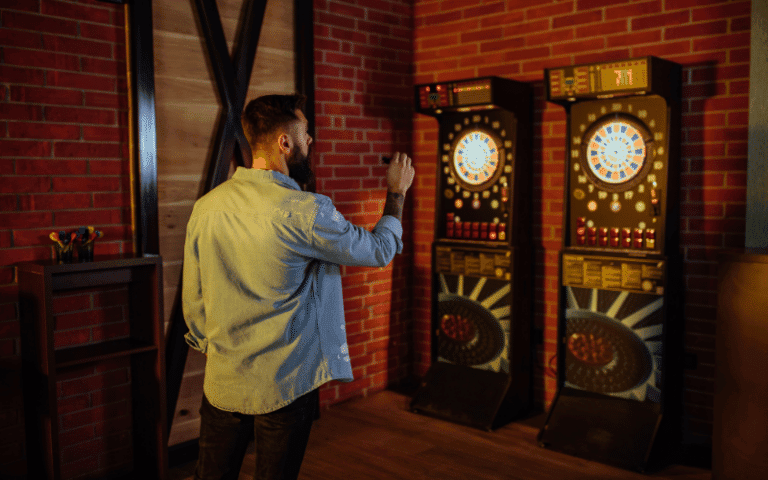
[[613, 342], [474, 322]]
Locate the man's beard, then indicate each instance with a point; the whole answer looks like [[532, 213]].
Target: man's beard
[[300, 168]]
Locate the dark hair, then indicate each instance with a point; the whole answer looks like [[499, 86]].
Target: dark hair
[[266, 114]]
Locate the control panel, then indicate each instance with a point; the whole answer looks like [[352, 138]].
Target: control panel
[[477, 167], [614, 273], [621, 165], [473, 262]]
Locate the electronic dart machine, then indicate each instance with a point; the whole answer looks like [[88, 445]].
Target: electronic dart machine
[[618, 332], [481, 256]]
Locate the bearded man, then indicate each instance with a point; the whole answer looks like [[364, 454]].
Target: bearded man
[[262, 293]]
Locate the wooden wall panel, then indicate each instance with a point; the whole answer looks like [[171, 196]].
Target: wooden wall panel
[[188, 109]]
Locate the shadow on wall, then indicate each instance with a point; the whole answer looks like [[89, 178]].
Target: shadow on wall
[[540, 360], [388, 101]]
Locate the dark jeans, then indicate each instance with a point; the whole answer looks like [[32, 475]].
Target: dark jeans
[[280, 438]]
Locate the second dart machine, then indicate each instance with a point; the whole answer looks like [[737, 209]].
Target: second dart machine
[[481, 257], [619, 331]]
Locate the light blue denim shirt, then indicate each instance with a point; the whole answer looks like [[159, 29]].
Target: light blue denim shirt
[[262, 289]]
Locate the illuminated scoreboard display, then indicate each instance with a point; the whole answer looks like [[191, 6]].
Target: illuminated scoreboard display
[[623, 76], [469, 93], [629, 76]]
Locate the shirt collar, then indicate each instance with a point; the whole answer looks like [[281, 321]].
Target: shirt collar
[[260, 175]]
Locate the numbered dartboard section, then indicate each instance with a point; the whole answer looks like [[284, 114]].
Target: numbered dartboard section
[[618, 164], [615, 152], [476, 158]]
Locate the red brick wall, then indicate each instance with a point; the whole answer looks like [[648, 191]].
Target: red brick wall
[[63, 162], [519, 38], [363, 63], [94, 400]]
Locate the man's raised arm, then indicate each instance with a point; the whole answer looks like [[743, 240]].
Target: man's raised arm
[[399, 179]]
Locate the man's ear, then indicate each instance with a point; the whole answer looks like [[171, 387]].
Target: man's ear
[[284, 143]]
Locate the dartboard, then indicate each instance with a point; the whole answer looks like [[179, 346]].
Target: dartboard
[[615, 151], [476, 157]]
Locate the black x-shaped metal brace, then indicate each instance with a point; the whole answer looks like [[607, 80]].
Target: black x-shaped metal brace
[[232, 78]]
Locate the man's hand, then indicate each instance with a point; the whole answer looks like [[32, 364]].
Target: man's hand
[[400, 174], [399, 179]]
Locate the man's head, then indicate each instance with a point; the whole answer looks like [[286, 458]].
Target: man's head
[[276, 127]]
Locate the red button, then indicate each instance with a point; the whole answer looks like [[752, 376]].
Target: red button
[[502, 227], [614, 242], [580, 231], [638, 243], [475, 225], [581, 239], [626, 242], [467, 234], [625, 232], [650, 233], [603, 231], [592, 231], [484, 227], [581, 221], [475, 234], [491, 235], [483, 234], [592, 240], [614, 232], [603, 241], [449, 217]]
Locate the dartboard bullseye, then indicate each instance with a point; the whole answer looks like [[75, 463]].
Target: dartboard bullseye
[[476, 158], [616, 152]]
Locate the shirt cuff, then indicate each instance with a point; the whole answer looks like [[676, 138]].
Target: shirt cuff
[[201, 345], [391, 223]]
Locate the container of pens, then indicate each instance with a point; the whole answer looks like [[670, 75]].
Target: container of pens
[[86, 237], [62, 245]]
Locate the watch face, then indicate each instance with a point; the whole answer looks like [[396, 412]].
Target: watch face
[[476, 158], [616, 152]]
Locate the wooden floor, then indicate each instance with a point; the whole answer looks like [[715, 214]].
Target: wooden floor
[[379, 438]]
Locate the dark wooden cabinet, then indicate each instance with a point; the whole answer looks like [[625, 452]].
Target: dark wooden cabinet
[[740, 427], [144, 347]]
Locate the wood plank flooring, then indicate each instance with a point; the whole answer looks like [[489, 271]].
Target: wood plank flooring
[[378, 438]]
